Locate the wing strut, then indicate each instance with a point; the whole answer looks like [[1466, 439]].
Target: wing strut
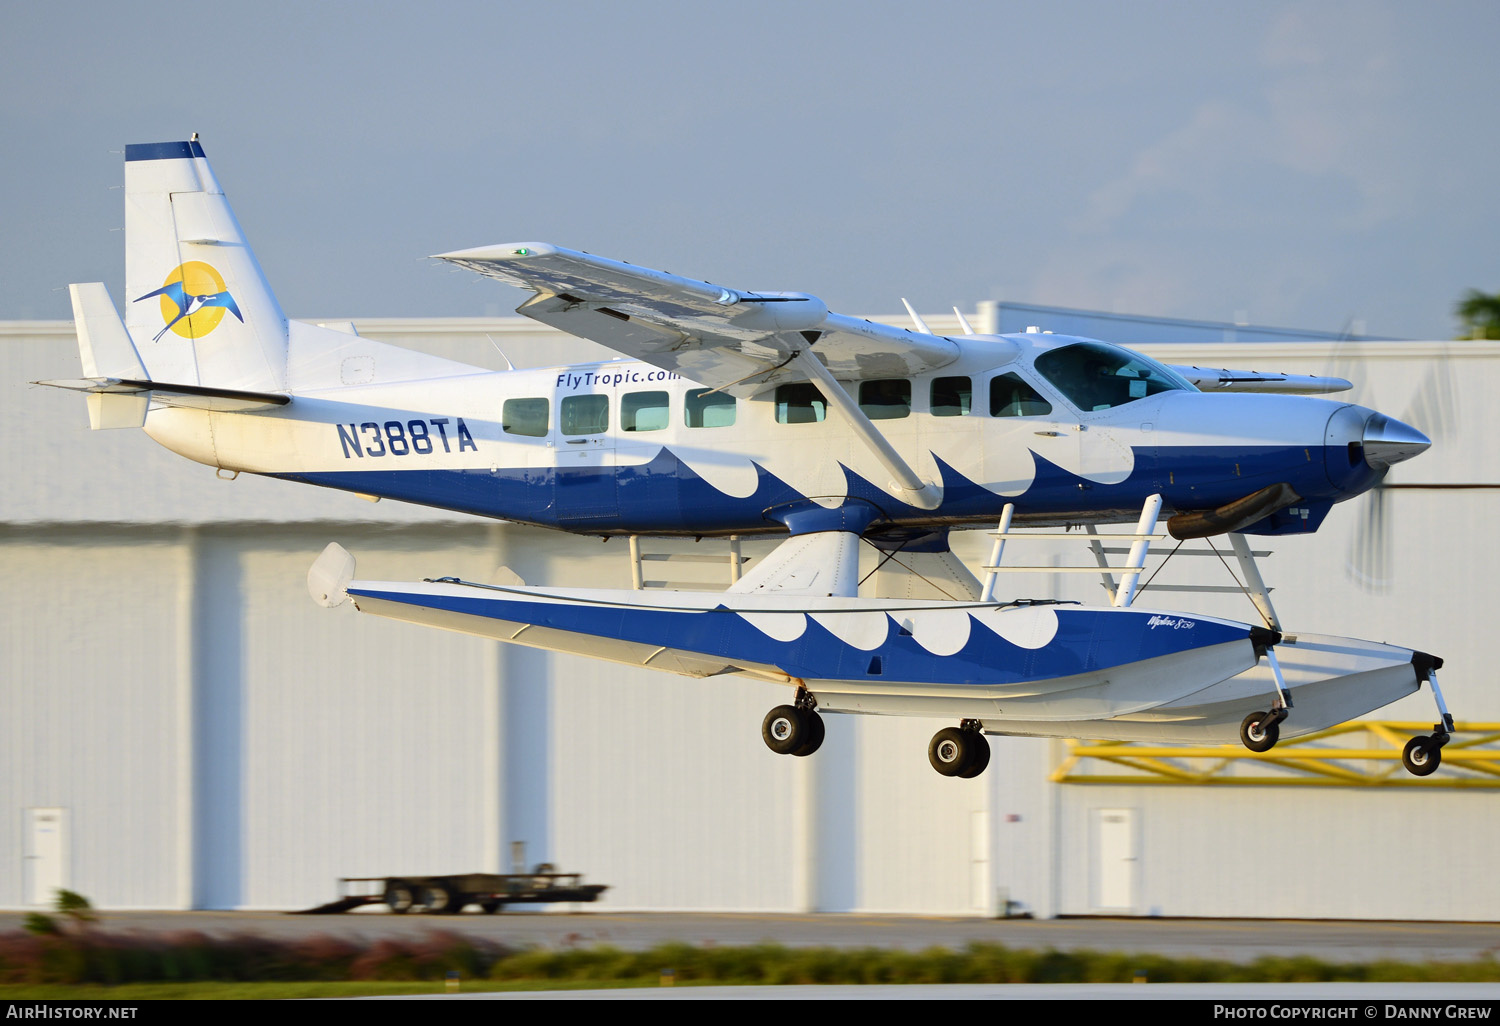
[[919, 493]]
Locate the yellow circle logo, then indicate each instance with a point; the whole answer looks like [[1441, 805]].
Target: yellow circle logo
[[193, 300]]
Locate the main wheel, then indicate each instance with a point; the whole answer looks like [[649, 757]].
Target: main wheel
[[785, 729], [399, 897], [1421, 757], [1256, 737], [815, 733], [951, 751], [980, 758]]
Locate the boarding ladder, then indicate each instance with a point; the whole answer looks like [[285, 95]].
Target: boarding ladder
[[733, 560], [1122, 582]]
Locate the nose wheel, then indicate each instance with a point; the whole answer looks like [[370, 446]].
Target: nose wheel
[[1260, 731], [960, 751], [1423, 754]]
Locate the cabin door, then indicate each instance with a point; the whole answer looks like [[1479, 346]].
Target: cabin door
[[583, 487]]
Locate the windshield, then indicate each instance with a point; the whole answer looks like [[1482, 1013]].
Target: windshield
[[1096, 376]]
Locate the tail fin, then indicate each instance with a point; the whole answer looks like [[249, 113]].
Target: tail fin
[[196, 303]]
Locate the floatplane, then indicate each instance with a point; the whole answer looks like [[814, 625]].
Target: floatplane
[[734, 413]]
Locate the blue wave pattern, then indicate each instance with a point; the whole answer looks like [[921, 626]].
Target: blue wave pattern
[[665, 495], [1087, 640]]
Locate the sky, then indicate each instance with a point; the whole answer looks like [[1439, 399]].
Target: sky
[[1307, 164]]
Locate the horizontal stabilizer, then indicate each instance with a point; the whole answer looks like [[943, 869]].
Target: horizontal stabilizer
[[196, 397]]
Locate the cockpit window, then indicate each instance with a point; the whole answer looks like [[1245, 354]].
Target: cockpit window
[[1095, 376]]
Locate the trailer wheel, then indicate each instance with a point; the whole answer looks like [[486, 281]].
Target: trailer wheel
[[490, 907], [440, 900], [398, 895]]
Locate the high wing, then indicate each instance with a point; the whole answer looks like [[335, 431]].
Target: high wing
[[741, 342], [1213, 379]]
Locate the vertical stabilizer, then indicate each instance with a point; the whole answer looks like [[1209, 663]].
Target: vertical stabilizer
[[196, 302]]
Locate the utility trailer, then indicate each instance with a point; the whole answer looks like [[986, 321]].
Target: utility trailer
[[445, 895]]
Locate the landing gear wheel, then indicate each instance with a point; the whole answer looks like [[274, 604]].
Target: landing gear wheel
[[951, 751], [980, 757], [1256, 737], [1421, 757], [815, 733], [785, 729], [398, 895]]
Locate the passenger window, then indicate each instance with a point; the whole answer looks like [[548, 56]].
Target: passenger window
[[708, 408], [885, 399], [644, 411], [952, 397], [584, 414], [1012, 396], [801, 403], [524, 417]]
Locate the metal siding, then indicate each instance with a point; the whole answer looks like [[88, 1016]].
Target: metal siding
[[362, 737], [659, 785], [914, 829], [88, 634], [1024, 807], [1295, 853], [662, 789]]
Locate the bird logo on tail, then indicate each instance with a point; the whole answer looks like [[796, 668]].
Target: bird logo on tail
[[193, 301]]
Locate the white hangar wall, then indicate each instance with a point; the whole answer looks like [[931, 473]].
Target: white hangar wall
[[217, 741]]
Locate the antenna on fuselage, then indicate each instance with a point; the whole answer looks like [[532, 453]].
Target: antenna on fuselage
[[508, 365], [963, 321], [916, 318]]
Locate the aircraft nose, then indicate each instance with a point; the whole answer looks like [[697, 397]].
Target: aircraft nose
[[1388, 441]]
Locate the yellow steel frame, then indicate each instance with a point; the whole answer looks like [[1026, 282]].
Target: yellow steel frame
[[1322, 759]]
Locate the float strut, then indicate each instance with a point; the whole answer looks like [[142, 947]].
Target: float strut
[[1283, 696], [1442, 730]]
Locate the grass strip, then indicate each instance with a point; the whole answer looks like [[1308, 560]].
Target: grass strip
[[96, 958]]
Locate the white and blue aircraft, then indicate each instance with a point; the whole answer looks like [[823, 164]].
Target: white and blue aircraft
[[736, 413]]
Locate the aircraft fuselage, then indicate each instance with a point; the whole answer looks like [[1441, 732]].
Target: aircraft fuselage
[[624, 447]]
